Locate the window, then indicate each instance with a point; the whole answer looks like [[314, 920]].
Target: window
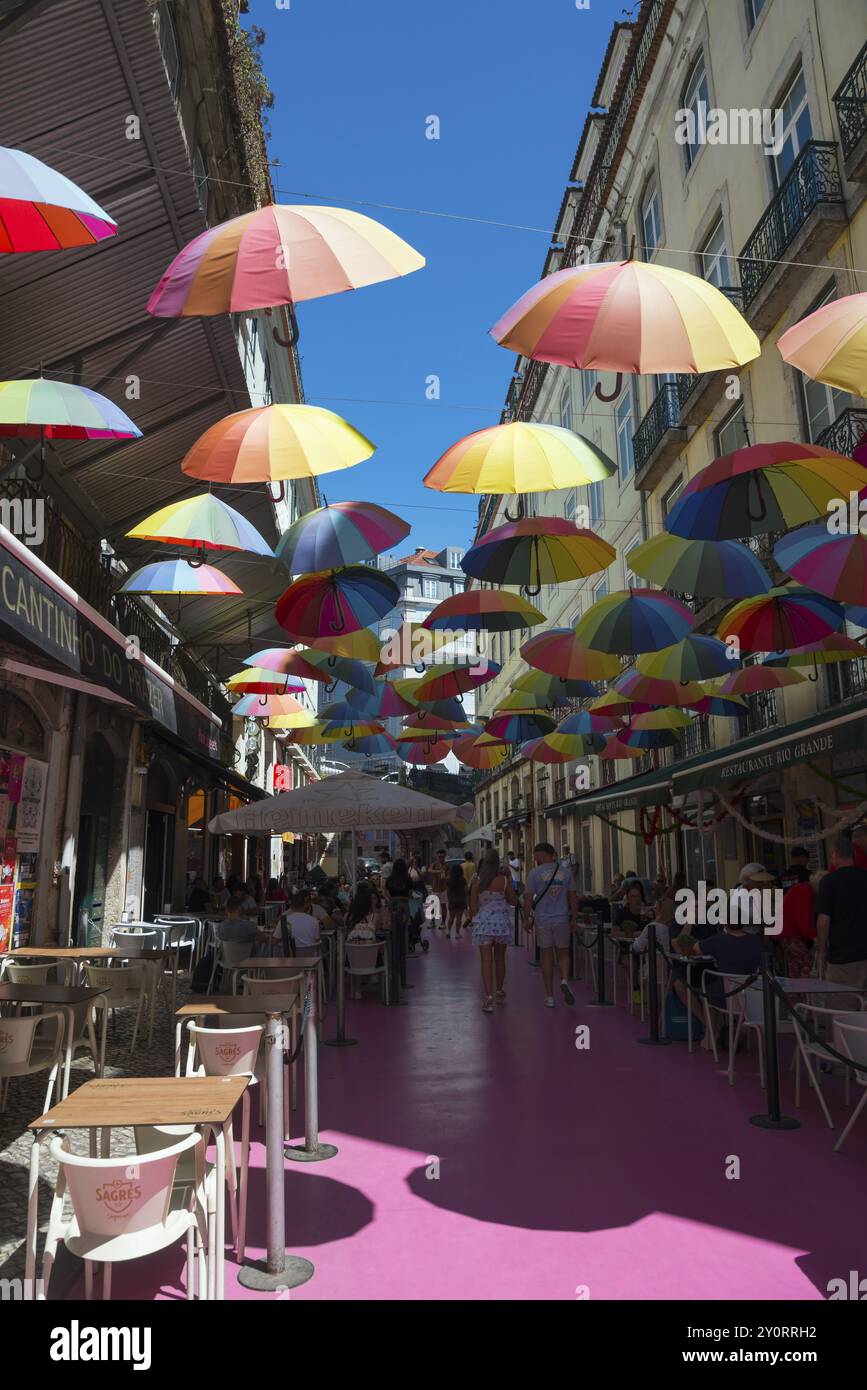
[[266, 385], [731, 434], [821, 404], [569, 509], [696, 100], [200, 173], [595, 502], [430, 588], [670, 497], [796, 131], [600, 590], [623, 416], [169, 47], [455, 557], [566, 407], [631, 580], [754, 9], [651, 220], [714, 258], [588, 386]]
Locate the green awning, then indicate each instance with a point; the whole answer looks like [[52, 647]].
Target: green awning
[[831, 731], [649, 789]]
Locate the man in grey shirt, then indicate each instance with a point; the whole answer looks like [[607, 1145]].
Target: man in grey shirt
[[237, 928], [551, 912]]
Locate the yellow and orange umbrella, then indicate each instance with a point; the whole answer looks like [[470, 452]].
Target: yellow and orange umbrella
[[830, 345], [519, 457], [275, 442]]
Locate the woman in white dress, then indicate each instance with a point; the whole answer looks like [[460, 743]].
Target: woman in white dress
[[492, 910]]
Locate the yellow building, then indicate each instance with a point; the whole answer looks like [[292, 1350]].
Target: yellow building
[[734, 146]]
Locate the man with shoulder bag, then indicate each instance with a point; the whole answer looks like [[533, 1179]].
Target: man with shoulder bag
[[551, 913]]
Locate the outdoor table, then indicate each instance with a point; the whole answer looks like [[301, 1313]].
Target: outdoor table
[[205, 1102], [812, 985], [279, 1271], [673, 957], [64, 997], [78, 954]]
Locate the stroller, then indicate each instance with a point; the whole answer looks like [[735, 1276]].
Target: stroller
[[417, 916]]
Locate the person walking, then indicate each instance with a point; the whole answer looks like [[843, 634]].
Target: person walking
[[551, 912], [469, 867], [841, 926], [457, 897], [492, 902]]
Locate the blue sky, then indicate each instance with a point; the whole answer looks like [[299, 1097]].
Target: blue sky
[[354, 83]]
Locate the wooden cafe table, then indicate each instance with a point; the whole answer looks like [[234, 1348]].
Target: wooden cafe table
[[65, 998], [205, 1102], [78, 955]]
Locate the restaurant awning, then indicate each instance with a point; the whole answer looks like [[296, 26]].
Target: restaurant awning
[[648, 789], [832, 731]]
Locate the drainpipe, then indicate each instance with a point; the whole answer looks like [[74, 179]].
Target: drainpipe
[[71, 818]]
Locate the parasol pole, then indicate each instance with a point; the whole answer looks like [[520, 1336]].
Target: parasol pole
[[342, 1040]]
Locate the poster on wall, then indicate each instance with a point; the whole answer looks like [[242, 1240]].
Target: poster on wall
[[28, 822], [22, 801]]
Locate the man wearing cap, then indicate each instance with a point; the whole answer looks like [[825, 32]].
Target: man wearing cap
[[746, 909]]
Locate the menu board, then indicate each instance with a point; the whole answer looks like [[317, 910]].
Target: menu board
[[22, 800]]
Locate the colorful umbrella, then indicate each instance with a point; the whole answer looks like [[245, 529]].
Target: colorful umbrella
[[830, 345], [340, 533], [315, 734], [257, 680], [425, 753], [420, 733], [204, 523], [587, 721], [649, 738], [706, 569], [383, 703], [559, 653], [311, 664], [443, 682], [758, 677], [526, 700], [661, 719], [371, 745], [574, 745], [628, 316], [274, 442], [552, 690], [825, 652], [518, 726], [721, 706], [782, 618], [178, 577], [351, 727], [279, 255], [361, 645], [335, 601], [273, 707], [492, 610], [42, 210], [616, 749], [763, 487], [856, 615], [481, 756], [35, 408], [539, 750], [612, 702], [452, 709], [537, 550], [519, 458], [653, 691], [831, 564], [696, 658], [410, 645], [634, 620]]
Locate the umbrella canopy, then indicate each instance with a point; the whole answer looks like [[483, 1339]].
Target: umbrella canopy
[[351, 800], [518, 726], [653, 691], [830, 345], [314, 665], [695, 658], [424, 753], [617, 750], [178, 577], [451, 710], [537, 550], [361, 645], [443, 682], [706, 569], [484, 757], [612, 702], [36, 408], [763, 487], [649, 738], [335, 601], [315, 734], [587, 721], [782, 618], [340, 533], [552, 690], [410, 645], [661, 719], [825, 652], [203, 523], [539, 750], [558, 652], [273, 442], [634, 620], [492, 610], [519, 457], [42, 210], [856, 615], [351, 726], [574, 745], [257, 680], [426, 724], [371, 745], [759, 677], [383, 702], [279, 255], [721, 706], [526, 700], [272, 707], [420, 733], [835, 565], [628, 316]]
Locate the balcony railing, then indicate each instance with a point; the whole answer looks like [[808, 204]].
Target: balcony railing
[[813, 179], [846, 679], [697, 737], [663, 415], [847, 432], [761, 713], [850, 99]]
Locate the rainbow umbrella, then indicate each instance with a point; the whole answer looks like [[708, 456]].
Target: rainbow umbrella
[[352, 726], [335, 601], [612, 702], [489, 609], [537, 550], [274, 442], [411, 645], [856, 615], [552, 690], [825, 652], [42, 210], [361, 645], [586, 721], [830, 345], [526, 700], [257, 680], [427, 724], [517, 726], [37, 408], [204, 523], [313, 735], [340, 533], [653, 691], [539, 750], [279, 255], [695, 658], [634, 620], [425, 753], [558, 652], [444, 681], [415, 733], [628, 316], [313, 665], [752, 679], [721, 706], [452, 709], [661, 719], [371, 745], [178, 577], [272, 707], [574, 745], [782, 618], [382, 703], [835, 565], [616, 749], [707, 569], [518, 458], [763, 487], [484, 757], [649, 738]]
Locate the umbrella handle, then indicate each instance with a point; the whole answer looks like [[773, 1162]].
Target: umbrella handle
[[521, 513], [331, 687], [340, 625], [281, 494], [420, 667], [615, 392], [762, 504], [533, 590]]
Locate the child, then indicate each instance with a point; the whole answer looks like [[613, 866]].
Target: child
[[456, 900]]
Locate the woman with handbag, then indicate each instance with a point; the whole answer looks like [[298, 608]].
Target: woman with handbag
[[492, 905]]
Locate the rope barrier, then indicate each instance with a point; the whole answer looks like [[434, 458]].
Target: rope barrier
[[791, 1010]]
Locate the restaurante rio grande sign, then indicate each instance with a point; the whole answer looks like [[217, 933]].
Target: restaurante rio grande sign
[[835, 733]]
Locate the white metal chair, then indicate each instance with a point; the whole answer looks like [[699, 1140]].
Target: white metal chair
[[29, 1044], [364, 959], [14, 973], [850, 1038], [124, 986], [732, 1007], [819, 1019], [123, 1210], [228, 957], [284, 985]]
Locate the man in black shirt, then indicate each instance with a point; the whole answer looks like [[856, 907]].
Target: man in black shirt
[[797, 872], [841, 925]]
